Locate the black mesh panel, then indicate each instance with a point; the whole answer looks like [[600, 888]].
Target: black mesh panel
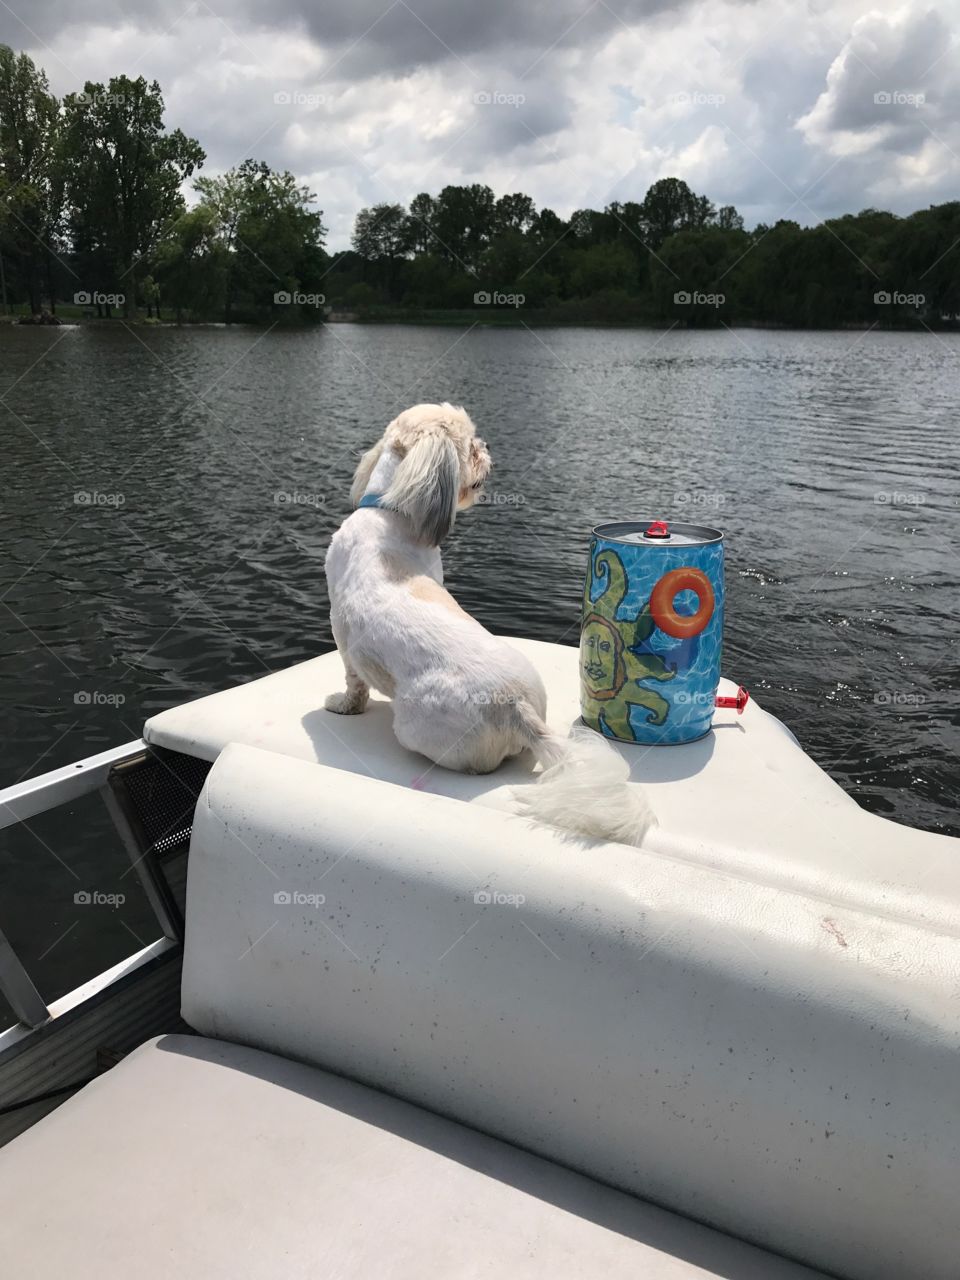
[[162, 791]]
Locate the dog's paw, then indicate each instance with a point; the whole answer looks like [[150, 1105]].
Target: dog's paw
[[345, 704]]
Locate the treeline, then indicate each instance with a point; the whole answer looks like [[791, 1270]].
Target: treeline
[[670, 257], [92, 214]]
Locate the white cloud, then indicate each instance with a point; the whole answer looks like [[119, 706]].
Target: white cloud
[[753, 104], [891, 108], [887, 70]]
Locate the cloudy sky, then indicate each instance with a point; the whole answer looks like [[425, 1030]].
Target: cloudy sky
[[783, 108]]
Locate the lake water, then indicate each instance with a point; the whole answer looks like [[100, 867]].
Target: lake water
[[169, 495]]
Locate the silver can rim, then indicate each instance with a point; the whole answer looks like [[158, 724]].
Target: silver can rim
[[614, 531]]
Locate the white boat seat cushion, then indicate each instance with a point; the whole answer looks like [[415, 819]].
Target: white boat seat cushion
[[745, 798], [753, 1057], [210, 1161]]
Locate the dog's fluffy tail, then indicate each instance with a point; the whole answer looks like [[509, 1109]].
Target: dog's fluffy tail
[[584, 786]]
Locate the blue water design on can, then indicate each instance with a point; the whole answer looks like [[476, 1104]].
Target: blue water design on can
[[652, 631]]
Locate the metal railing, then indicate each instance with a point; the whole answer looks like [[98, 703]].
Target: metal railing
[[98, 773]]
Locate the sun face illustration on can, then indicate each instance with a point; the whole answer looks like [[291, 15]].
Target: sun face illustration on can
[[652, 631]]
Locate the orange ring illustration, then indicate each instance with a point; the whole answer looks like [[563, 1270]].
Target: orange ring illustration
[[662, 596]]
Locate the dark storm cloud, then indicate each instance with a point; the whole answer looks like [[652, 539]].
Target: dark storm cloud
[[25, 23], [376, 36], [365, 37]]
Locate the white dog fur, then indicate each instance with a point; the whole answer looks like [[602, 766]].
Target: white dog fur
[[461, 697]]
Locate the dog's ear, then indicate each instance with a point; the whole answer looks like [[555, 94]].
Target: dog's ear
[[426, 486], [361, 477], [480, 460]]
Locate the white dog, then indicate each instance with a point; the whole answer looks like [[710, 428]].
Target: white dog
[[461, 696]]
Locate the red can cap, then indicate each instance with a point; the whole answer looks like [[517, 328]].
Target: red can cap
[[657, 529]]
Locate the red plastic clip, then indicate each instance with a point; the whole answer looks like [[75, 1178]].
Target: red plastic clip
[[739, 701], [657, 529]]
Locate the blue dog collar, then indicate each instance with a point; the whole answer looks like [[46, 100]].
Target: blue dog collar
[[370, 500]]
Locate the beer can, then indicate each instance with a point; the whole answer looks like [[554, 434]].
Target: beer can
[[652, 631]]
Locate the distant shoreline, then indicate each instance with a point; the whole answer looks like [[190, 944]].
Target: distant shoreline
[[548, 320], [471, 319]]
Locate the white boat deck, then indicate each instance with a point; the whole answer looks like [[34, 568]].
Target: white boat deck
[[746, 798]]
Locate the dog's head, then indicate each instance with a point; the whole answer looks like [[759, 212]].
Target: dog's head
[[439, 466]]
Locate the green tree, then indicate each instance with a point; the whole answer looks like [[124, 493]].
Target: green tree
[[190, 265], [669, 206], [693, 277], [515, 212], [728, 219], [463, 223], [603, 267], [150, 295], [423, 212], [591, 227], [429, 280], [382, 231], [382, 237], [922, 258], [702, 213], [271, 239], [514, 263], [548, 227], [123, 173], [31, 188]]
